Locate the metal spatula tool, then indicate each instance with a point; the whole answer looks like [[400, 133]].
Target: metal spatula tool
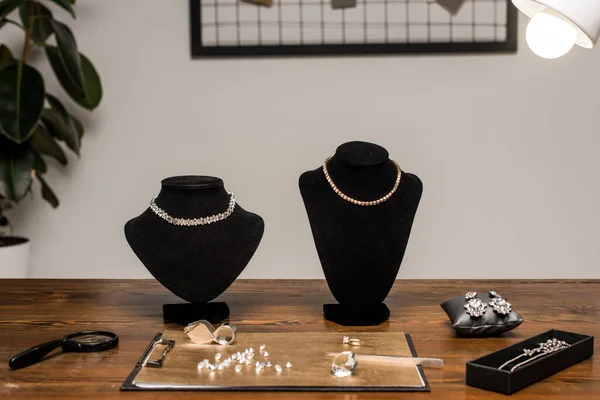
[[422, 361]]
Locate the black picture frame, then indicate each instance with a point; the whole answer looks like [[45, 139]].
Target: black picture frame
[[509, 45]]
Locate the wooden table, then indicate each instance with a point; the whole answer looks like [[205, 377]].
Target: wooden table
[[33, 311]]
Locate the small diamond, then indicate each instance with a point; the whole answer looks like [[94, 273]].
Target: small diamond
[[238, 368], [217, 356], [266, 354], [212, 367], [268, 364], [288, 365], [200, 365], [278, 368], [262, 347]]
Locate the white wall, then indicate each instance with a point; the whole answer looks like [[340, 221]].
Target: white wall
[[506, 145]]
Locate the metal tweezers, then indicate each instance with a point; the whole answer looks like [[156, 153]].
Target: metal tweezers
[[157, 363]]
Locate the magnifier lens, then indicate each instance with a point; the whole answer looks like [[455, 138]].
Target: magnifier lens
[[92, 339], [225, 334]]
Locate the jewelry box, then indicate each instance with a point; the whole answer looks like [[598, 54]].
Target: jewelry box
[[532, 365]]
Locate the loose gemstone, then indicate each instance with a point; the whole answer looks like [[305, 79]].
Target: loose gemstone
[[217, 356], [266, 354], [278, 368], [288, 365], [238, 368], [268, 364]]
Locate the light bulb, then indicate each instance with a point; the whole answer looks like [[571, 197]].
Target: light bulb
[[549, 36]]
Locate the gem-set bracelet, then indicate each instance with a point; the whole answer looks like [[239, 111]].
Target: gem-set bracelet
[[548, 347]]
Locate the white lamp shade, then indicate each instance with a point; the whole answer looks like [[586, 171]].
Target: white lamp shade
[[584, 15]]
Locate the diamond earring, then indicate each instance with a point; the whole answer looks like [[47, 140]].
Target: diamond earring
[[499, 305], [474, 306]]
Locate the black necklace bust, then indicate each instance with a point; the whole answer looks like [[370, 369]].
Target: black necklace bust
[[360, 247], [196, 263]]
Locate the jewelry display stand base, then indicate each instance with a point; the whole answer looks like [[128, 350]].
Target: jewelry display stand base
[[342, 315], [184, 313]]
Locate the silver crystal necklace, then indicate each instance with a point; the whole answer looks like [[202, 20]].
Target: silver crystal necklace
[[193, 221]]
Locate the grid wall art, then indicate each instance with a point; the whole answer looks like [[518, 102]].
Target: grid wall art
[[333, 27]]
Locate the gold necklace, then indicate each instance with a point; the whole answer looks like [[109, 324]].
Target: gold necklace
[[358, 202]]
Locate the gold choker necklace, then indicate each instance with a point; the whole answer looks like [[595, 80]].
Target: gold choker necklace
[[358, 202]]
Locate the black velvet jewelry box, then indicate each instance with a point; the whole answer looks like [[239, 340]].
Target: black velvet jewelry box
[[484, 373]]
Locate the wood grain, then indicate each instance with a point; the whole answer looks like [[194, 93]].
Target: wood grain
[[33, 311]]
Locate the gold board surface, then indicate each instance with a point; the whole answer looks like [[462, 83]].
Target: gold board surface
[[311, 368]]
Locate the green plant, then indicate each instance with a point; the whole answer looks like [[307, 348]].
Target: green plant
[[33, 122]]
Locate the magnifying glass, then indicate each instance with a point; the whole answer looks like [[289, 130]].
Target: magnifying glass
[[80, 342]]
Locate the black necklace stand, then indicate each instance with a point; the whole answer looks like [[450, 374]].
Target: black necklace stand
[[196, 263], [360, 247]]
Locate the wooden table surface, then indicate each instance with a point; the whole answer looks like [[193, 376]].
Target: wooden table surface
[[34, 311]]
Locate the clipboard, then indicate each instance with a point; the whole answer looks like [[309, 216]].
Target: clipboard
[[310, 369]]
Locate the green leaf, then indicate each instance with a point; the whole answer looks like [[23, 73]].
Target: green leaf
[[69, 55], [16, 169], [67, 5], [42, 142], [7, 6], [78, 126], [47, 193], [21, 101], [70, 133], [6, 57], [41, 27], [40, 165], [53, 124], [93, 88]]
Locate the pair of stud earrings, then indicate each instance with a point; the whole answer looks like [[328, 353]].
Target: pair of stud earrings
[[476, 307]]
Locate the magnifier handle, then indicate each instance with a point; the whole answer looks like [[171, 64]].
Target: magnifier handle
[[34, 354]]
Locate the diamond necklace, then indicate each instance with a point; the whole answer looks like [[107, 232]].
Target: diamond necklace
[[193, 221], [358, 202]]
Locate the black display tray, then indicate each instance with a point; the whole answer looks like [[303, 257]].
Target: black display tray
[[484, 373]]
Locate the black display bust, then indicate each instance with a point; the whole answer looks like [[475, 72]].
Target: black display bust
[[360, 248], [196, 263]]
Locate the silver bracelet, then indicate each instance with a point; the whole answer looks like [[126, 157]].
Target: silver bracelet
[[548, 347]]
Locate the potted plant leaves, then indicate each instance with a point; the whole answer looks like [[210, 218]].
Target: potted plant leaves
[[35, 126]]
